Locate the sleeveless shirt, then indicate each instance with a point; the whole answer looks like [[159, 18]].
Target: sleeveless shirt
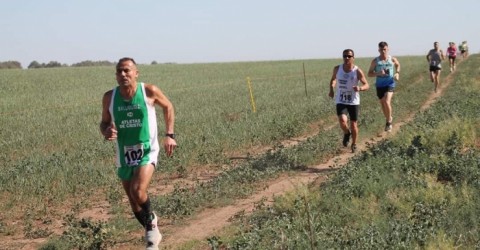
[[435, 58], [452, 51], [387, 66], [345, 82], [136, 123]]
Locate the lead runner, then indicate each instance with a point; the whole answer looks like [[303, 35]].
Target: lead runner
[[129, 118]]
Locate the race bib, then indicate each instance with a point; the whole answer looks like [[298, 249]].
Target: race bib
[[133, 154], [346, 96]]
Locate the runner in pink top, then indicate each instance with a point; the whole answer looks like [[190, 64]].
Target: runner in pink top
[[452, 54]]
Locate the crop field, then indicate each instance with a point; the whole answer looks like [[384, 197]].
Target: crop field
[[55, 164], [417, 190]]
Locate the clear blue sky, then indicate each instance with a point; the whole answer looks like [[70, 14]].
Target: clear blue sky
[[191, 31]]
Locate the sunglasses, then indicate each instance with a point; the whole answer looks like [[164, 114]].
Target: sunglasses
[[347, 56]]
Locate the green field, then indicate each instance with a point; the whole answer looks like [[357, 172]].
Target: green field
[[56, 163], [417, 190]]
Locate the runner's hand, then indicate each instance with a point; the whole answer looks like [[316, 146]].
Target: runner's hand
[[169, 144], [110, 133]]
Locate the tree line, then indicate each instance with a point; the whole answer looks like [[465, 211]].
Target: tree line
[[55, 64]]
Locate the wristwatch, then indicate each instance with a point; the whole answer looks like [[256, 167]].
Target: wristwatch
[[170, 135]]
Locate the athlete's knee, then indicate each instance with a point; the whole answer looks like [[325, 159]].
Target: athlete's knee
[[354, 124]]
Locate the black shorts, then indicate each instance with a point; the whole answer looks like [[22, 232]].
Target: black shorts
[[351, 110], [434, 68], [382, 90], [452, 58], [463, 51]]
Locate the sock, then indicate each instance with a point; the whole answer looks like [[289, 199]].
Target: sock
[[147, 214], [140, 217]]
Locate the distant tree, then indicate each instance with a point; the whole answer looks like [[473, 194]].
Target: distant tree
[[89, 63], [154, 62], [34, 65], [10, 65], [83, 64], [53, 64]]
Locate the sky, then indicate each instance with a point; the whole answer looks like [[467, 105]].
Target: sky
[[188, 31]]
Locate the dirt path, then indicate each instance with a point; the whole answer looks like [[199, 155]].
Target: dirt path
[[211, 221]]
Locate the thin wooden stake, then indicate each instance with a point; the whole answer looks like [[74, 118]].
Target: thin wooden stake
[[305, 79]]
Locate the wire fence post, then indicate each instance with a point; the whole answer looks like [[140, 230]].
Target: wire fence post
[[305, 79], [252, 100]]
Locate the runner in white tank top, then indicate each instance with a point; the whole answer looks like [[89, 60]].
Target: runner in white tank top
[[345, 80]]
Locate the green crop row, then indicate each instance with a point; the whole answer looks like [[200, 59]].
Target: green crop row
[[54, 158], [419, 190]]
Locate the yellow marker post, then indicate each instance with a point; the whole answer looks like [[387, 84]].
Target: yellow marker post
[[252, 101]]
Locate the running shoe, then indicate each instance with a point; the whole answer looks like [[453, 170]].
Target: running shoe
[[153, 236], [388, 127], [354, 148]]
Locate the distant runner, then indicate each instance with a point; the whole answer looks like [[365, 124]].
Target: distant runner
[[463, 49], [452, 55], [435, 58]]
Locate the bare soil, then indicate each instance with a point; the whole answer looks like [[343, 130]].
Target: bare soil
[[211, 221]]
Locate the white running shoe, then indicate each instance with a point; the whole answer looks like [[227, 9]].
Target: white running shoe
[[153, 237]]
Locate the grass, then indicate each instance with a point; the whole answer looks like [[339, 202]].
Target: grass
[[53, 148], [418, 190]]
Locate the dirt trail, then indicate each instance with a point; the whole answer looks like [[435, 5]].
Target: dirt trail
[[211, 221]]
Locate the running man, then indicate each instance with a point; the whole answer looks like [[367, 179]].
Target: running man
[[129, 119], [346, 77], [435, 58], [382, 67], [464, 49]]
